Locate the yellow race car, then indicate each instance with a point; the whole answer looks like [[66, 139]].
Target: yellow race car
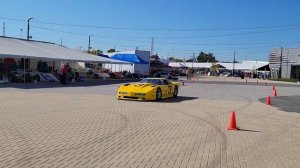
[[149, 89]]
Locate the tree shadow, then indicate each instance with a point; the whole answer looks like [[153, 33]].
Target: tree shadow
[[285, 103]]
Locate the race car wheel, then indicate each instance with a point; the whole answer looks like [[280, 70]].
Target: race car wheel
[[175, 91], [158, 94]]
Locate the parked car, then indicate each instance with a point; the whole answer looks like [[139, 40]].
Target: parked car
[[169, 75], [226, 74]]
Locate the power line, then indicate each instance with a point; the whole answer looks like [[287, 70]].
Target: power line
[[275, 29], [265, 44], [235, 34], [61, 31], [158, 29], [171, 43], [169, 29]]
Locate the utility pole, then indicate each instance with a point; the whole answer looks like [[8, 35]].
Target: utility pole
[[233, 63], [89, 47], [3, 29], [60, 41], [152, 46], [28, 27], [21, 30], [280, 68], [193, 60]]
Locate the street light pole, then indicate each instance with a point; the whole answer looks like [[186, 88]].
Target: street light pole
[[233, 64], [280, 68], [28, 28], [193, 60], [89, 47]]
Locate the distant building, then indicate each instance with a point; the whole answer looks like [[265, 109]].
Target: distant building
[[245, 65], [285, 63], [159, 65]]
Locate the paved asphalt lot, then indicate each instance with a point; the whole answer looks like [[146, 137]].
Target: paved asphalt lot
[[83, 125]]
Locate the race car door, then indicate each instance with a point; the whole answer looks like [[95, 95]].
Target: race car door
[[166, 88]]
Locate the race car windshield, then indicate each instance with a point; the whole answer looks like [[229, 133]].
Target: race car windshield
[[152, 81]]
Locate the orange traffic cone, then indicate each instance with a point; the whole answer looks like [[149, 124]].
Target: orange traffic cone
[[274, 87], [266, 84], [268, 102], [232, 122], [275, 92], [246, 81], [257, 82]]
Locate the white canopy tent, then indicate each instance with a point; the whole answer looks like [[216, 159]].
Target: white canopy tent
[[19, 48]]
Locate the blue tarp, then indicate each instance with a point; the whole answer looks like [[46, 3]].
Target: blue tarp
[[129, 58]]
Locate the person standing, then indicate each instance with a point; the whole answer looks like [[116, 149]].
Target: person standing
[[187, 74], [68, 73], [64, 74]]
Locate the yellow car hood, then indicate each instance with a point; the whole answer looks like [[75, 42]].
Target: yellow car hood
[[137, 87]]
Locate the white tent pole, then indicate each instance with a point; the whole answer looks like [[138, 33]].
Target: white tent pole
[[85, 71], [24, 71], [53, 67], [74, 70]]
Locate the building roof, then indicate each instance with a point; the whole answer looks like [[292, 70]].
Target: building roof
[[177, 64], [20, 48]]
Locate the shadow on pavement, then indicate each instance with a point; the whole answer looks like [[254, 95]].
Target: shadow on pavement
[[285, 103], [86, 83], [168, 100], [177, 99], [248, 130]]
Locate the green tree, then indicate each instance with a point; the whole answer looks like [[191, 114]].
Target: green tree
[[96, 52], [111, 50], [172, 59], [203, 57], [214, 69], [155, 57], [192, 60]]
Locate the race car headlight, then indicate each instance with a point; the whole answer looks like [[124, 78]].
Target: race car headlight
[[140, 94], [123, 93]]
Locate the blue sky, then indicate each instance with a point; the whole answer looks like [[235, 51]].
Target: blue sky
[[179, 28]]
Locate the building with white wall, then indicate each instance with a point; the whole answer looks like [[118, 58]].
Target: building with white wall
[[285, 63]]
